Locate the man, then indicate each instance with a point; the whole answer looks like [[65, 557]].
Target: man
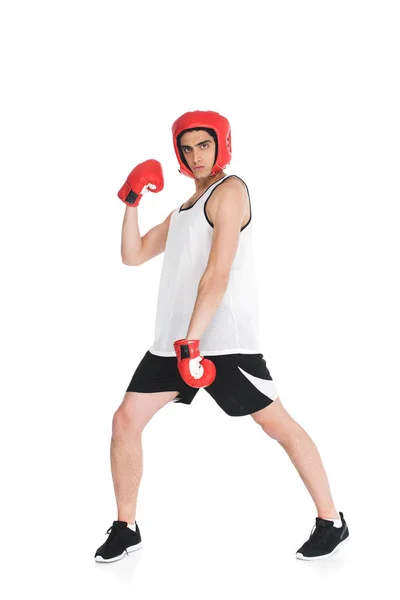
[[206, 331]]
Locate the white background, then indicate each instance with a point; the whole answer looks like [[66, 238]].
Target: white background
[[89, 89]]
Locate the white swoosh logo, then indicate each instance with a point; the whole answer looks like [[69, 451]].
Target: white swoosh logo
[[265, 386]]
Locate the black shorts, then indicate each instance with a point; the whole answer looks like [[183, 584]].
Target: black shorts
[[243, 384]]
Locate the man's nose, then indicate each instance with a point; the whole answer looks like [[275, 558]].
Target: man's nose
[[196, 155]]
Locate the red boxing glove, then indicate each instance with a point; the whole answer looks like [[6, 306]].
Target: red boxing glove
[[194, 369], [147, 175]]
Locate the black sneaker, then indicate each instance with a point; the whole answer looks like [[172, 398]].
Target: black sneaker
[[121, 540], [324, 540]]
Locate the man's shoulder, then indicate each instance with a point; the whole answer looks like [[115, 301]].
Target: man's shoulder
[[232, 183]]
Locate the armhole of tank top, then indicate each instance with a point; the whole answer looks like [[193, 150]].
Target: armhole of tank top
[[170, 219], [248, 195]]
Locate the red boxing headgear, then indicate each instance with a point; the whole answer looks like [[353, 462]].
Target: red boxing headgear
[[206, 119]]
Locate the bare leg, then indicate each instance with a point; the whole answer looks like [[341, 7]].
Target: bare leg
[[127, 469], [126, 451], [303, 453]]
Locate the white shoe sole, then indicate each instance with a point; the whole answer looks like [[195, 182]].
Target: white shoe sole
[[301, 557], [129, 549]]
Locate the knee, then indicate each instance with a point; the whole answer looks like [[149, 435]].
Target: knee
[[285, 431], [278, 423], [124, 423]]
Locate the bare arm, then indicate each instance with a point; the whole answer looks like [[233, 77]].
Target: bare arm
[[230, 211], [135, 249]]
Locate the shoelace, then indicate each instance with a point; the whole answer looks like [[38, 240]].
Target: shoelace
[[113, 532], [319, 530]]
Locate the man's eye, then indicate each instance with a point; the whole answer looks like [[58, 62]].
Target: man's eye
[[204, 145]]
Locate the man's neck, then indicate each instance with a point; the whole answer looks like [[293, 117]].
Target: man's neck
[[205, 182]]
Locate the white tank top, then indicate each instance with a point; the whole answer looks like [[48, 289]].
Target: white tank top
[[234, 327]]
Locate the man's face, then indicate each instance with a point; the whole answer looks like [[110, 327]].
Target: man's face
[[198, 148]]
